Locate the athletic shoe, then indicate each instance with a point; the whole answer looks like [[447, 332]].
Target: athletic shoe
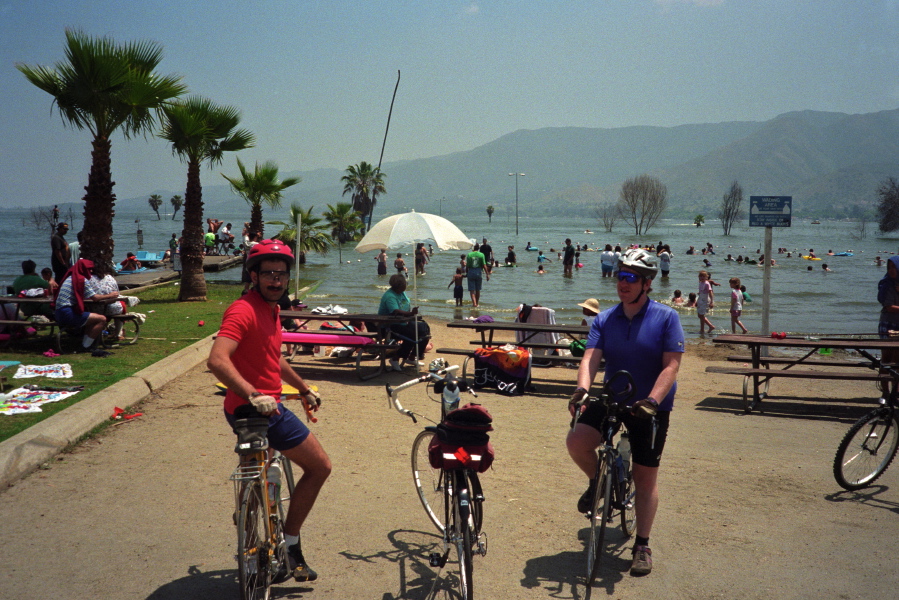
[[395, 365], [299, 569], [642, 563], [585, 503]]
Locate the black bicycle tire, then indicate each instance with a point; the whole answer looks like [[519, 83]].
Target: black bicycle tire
[[255, 586], [462, 533], [477, 507], [429, 482], [865, 427], [628, 510], [283, 502], [600, 506]]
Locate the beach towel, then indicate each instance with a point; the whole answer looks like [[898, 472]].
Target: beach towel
[[21, 400], [60, 371], [508, 369]]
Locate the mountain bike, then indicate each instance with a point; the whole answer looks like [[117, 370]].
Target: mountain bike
[[613, 492], [870, 445], [263, 484], [452, 496]]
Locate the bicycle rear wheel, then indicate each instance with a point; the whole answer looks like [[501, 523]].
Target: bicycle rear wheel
[[253, 569], [429, 482], [281, 571], [599, 517], [462, 531], [867, 449]]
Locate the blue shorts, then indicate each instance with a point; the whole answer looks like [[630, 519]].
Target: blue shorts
[[285, 430], [607, 268], [474, 283], [68, 316]]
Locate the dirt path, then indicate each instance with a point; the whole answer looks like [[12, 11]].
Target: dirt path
[[749, 506]]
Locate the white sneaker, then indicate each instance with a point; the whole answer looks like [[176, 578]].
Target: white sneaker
[[395, 365]]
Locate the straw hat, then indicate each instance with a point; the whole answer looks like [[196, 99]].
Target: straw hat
[[590, 304]]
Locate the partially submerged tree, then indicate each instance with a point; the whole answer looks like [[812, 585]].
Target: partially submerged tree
[[177, 202], [607, 213], [262, 185], [105, 87], [313, 235], [731, 209], [155, 202], [344, 223], [699, 220], [490, 213], [642, 201], [365, 182], [199, 131], [888, 206]]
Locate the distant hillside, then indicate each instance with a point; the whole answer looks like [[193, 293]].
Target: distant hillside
[[831, 163]]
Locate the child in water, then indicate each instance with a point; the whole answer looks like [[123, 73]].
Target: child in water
[[706, 301], [691, 300], [457, 290], [677, 299], [736, 305], [400, 265]]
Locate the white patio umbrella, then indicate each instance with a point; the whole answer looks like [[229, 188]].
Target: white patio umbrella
[[410, 228]]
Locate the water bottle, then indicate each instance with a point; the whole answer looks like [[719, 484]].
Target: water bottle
[[619, 466], [624, 451], [451, 396], [274, 483]]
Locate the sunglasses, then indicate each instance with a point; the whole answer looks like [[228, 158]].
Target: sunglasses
[[629, 277], [279, 275]]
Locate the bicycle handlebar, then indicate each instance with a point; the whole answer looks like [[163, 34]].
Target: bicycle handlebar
[[393, 392], [608, 396]]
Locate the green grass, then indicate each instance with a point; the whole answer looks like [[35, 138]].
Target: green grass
[[170, 326]]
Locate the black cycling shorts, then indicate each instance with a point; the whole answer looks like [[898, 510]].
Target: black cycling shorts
[[643, 452]]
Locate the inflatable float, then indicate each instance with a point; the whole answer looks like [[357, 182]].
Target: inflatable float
[[811, 258], [285, 388], [324, 339]]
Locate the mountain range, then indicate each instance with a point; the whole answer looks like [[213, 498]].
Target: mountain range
[[830, 163]]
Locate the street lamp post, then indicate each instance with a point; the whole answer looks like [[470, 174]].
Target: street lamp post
[[516, 175]]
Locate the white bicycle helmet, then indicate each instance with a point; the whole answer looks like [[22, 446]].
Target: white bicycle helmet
[[640, 261]]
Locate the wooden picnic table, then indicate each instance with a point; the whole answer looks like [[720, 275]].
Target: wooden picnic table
[[762, 371], [378, 342], [17, 323]]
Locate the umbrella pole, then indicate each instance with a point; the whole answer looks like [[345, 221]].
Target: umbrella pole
[[415, 295]]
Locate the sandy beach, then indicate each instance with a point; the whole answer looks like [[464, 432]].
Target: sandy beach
[[749, 505]]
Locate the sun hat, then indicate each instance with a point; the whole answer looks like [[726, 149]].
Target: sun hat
[[590, 304]]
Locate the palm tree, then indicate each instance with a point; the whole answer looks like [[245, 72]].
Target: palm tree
[[104, 87], [199, 131], [490, 213], [365, 182], [344, 222], [155, 202], [177, 201], [260, 185], [699, 220], [313, 233]]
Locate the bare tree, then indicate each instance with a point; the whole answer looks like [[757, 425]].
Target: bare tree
[[888, 208], [861, 229], [42, 219], [731, 209], [607, 213], [642, 201]]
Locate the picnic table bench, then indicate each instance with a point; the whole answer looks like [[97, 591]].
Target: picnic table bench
[[757, 377], [16, 324], [374, 344]]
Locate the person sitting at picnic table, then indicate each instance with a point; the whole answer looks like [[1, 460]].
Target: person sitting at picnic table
[[395, 302], [29, 280], [130, 263], [76, 288]]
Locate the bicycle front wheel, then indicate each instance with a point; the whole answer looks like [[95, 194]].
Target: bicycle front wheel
[[429, 482], [462, 530], [628, 511], [599, 518], [253, 569], [867, 449]]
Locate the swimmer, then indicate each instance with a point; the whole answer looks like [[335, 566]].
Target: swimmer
[[677, 299]]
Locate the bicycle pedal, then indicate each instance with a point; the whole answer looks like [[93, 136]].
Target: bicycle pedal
[[437, 560], [481, 543]]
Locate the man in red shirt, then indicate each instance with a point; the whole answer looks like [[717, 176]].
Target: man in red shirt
[[246, 357]]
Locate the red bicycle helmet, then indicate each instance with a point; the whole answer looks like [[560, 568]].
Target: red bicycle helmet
[[269, 250]]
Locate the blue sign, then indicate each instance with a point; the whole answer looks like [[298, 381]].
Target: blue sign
[[770, 211]]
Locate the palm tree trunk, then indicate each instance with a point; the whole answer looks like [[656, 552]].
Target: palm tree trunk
[[193, 284], [99, 201], [256, 218]]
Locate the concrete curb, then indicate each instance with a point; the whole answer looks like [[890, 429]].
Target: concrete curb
[[26, 451]]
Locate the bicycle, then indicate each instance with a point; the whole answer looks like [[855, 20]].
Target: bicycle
[[452, 496], [613, 491], [870, 445], [260, 479]]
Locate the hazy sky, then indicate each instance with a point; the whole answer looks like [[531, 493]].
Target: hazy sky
[[314, 78]]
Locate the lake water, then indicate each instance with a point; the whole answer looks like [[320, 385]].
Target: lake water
[[843, 301]]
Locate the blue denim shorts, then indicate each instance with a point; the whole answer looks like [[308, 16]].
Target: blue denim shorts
[[285, 430]]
